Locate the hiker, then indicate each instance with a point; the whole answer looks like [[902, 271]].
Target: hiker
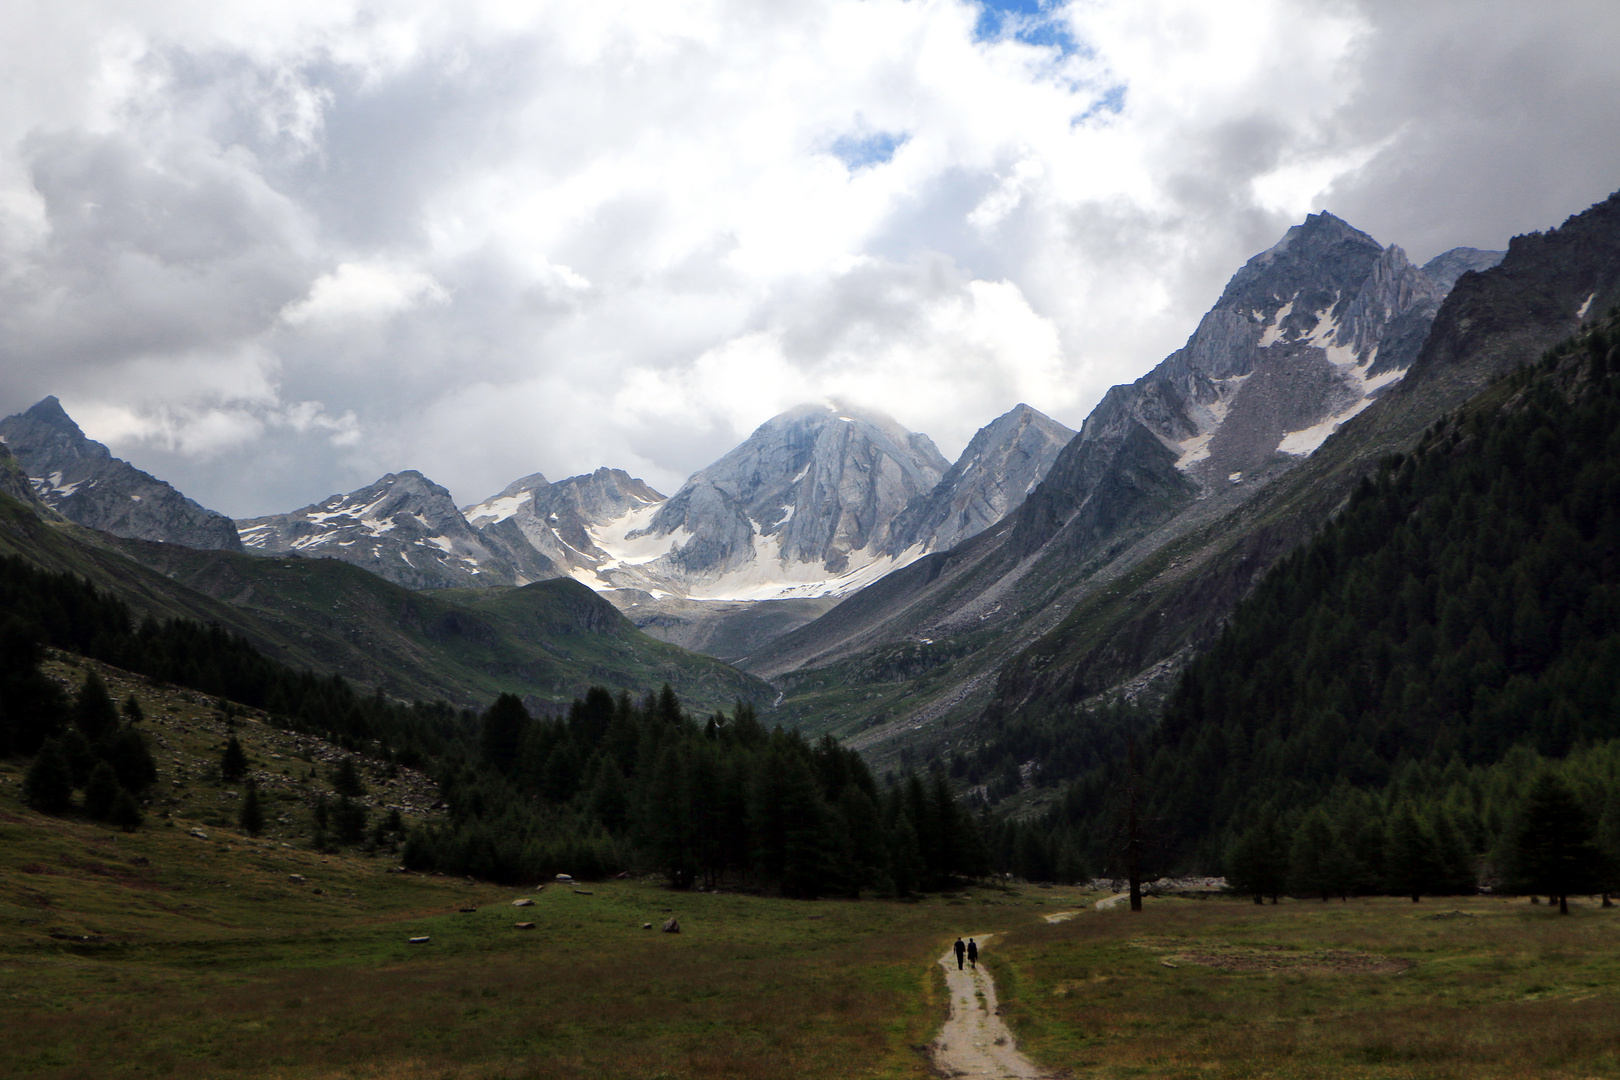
[[961, 950], [973, 953]]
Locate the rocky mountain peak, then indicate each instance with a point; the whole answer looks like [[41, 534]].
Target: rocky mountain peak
[[1445, 268], [810, 496], [503, 505], [50, 436], [1000, 467], [403, 527], [558, 520], [81, 480]]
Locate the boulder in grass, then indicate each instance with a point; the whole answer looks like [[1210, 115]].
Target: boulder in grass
[[420, 940], [646, 926], [296, 879], [671, 926], [565, 877], [525, 902], [524, 925]]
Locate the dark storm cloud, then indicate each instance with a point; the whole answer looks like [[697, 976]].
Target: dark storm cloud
[[1503, 116]]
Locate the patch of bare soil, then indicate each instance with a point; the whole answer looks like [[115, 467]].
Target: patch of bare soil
[[1279, 960]]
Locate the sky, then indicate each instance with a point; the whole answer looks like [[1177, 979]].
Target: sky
[[270, 252]]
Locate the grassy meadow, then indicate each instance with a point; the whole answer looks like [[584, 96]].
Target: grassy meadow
[[156, 953], [1454, 987], [187, 949]]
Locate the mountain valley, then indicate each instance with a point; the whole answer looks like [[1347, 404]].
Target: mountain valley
[[895, 599]]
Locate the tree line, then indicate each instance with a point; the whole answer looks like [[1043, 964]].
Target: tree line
[[615, 784], [64, 611], [618, 784]]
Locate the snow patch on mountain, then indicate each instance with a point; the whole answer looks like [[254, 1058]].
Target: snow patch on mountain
[[404, 528]]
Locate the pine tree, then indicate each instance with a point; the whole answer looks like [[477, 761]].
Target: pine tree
[[502, 732], [93, 708], [125, 812], [34, 706], [233, 763], [1257, 862], [348, 821], [101, 792], [48, 786], [668, 709], [1552, 851], [346, 780], [905, 857], [125, 750], [132, 710], [251, 818], [1311, 859], [1411, 865], [79, 754], [321, 816]]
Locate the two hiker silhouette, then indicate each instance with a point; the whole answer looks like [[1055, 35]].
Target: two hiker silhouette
[[970, 951]]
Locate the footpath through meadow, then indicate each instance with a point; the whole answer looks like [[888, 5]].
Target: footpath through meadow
[[975, 1040]]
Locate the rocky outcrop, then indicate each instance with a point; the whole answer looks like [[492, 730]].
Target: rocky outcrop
[[1444, 269], [404, 528], [557, 520], [81, 480], [804, 507], [14, 481], [1305, 337], [1000, 467], [817, 484]]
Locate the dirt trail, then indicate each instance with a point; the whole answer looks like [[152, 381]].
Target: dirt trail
[[975, 1041]]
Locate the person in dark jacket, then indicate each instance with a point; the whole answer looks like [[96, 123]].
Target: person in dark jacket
[[973, 953], [960, 951]]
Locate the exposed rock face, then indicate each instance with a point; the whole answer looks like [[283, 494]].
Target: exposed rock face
[[557, 519], [803, 507], [1444, 269], [404, 528], [1305, 336], [815, 503], [80, 479], [999, 468], [504, 505], [14, 481]]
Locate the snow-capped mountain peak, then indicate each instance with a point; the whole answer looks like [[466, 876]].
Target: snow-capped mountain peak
[[405, 528], [507, 504], [802, 507]]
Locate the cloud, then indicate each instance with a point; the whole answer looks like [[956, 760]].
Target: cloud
[[272, 251], [363, 292]]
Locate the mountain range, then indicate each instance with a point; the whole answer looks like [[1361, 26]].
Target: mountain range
[[898, 600]]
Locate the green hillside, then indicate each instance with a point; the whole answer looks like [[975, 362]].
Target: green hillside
[[547, 642]]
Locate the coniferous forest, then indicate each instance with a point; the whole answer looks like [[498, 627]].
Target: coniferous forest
[[1423, 699], [614, 785], [1405, 704]]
